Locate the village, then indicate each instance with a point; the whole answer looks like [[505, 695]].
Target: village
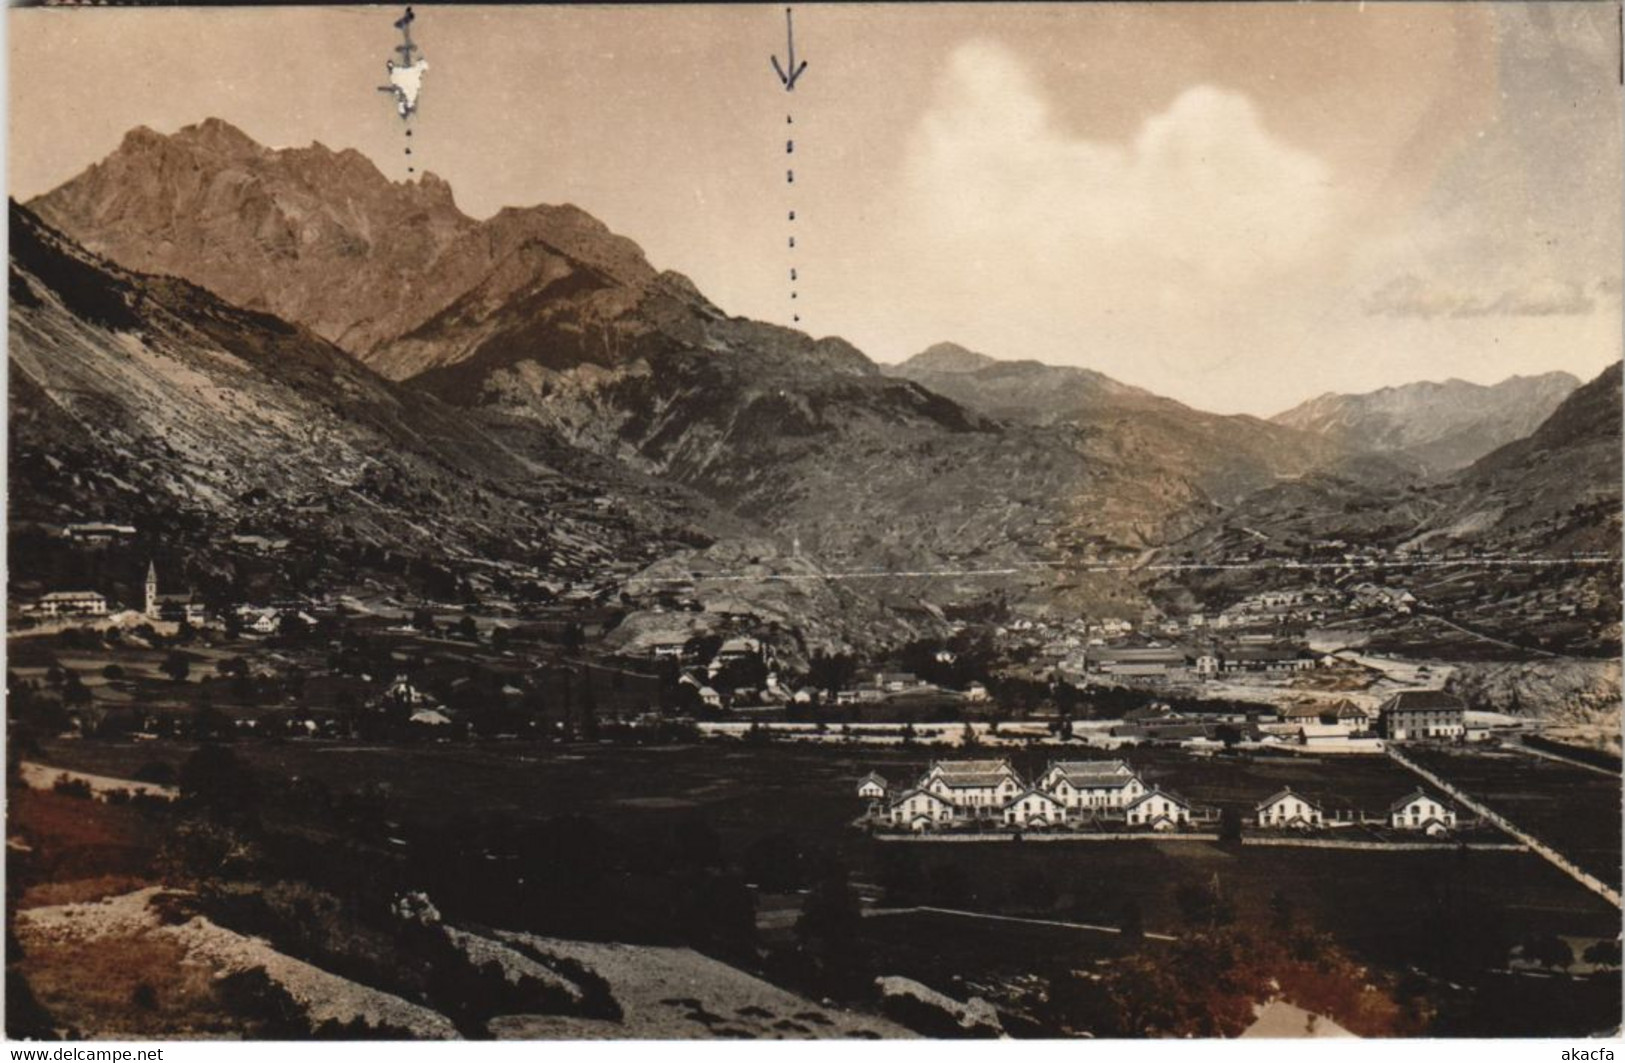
[[1287, 667], [1262, 741]]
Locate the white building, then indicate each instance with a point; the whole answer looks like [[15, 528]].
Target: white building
[[973, 787], [1290, 811], [668, 649], [919, 810], [1034, 808], [72, 603], [872, 786], [1421, 811], [1159, 810], [1092, 784], [403, 692], [99, 532]]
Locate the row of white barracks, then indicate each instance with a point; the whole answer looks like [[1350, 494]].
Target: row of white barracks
[[1071, 791]]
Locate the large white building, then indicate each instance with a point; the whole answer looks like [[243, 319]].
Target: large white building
[[1092, 784], [972, 791], [1411, 715], [72, 603], [973, 787]]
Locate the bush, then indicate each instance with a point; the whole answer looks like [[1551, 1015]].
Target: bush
[[157, 772], [214, 779], [71, 787]]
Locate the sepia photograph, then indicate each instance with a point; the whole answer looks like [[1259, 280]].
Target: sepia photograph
[[827, 521]]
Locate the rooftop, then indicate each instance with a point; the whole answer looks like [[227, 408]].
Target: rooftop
[[1420, 700]]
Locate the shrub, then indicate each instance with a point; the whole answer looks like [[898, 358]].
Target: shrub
[[71, 787]]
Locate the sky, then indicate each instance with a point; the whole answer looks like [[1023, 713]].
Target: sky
[[1238, 206]]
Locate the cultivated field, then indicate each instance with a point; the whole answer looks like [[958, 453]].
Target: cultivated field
[[1574, 810], [1381, 902]]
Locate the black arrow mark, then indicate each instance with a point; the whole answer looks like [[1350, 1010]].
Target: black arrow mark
[[789, 79]]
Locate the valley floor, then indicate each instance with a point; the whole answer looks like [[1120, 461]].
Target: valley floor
[[1456, 929]]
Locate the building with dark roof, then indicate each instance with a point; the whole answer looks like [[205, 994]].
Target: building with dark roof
[[1413, 715]]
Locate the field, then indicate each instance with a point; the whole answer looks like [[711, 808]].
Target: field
[[1368, 784], [1574, 810], [1378, 901]]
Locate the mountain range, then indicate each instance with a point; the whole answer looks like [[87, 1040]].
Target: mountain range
[[1437, 428], [151, 400], [260, 327]]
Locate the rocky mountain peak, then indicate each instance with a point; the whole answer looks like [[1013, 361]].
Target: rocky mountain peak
[[220, 137], [946, 358]]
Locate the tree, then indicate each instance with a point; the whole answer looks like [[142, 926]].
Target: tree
[[901, 876], [1603, 953], [1205, 904], [177, 666], [292, 626], [697, 843], [1132, 921], [468, 630], [831, 917], [1548, 950], [74, 691], [719, 911], [1282, 911], [216, 781], [774, 862], [1229, 825]]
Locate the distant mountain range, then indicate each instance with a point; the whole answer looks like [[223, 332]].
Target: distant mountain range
[[1555, 490], [528, 385], [544, 315], [1438, 428], [1226, 456], [1558, 486]]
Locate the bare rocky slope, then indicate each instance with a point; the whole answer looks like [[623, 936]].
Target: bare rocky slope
[[1556, 489], [147, 399]]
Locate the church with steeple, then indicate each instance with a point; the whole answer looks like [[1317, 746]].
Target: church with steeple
[[175, 607]]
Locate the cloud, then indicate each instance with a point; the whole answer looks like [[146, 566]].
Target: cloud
[[1410, 296], [1201, 194]]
